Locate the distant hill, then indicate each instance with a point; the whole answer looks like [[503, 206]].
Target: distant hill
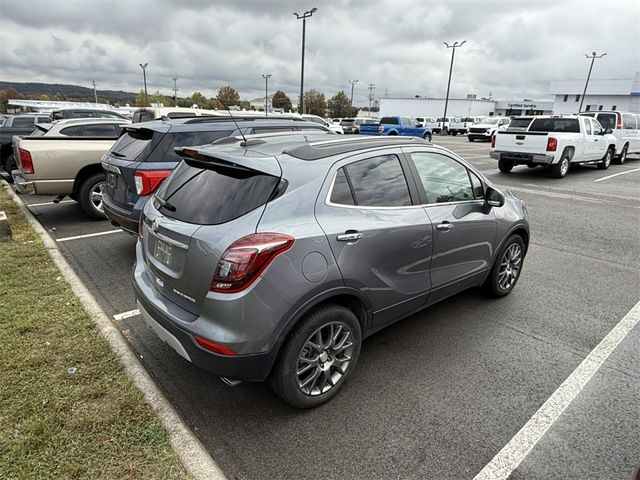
[[68, 92]]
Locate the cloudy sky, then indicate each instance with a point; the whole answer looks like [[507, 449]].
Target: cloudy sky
[[514, 47]]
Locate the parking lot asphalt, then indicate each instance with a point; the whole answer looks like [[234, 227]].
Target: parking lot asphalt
[[438, 394]]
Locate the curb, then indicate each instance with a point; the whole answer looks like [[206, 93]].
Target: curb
[[192, 454]]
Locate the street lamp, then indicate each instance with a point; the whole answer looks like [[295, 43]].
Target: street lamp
[[593, 57], [144, 76], [175, 93], [95, 92], [352, 83], [446, 99], [303, 17], [266, 91]]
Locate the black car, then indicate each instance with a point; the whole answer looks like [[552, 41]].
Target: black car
[[144, 156]]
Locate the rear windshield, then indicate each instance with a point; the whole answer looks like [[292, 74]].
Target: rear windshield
[[389, 120], [132, 144], [569, 125], [347, 121], [520, 123], [607, 120], [213, 195]]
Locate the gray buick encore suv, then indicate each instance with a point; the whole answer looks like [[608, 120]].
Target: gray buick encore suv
[[273, 257]]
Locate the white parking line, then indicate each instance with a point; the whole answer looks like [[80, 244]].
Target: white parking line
[[48, 203], [514, 452], [123, 315], [88, 235], [616, 174]]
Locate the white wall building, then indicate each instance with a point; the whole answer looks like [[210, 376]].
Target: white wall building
[[602, 94], [508, 108], [434, 107]]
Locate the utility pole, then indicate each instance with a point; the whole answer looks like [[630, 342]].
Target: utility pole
[[352, 83], [446, 99], [95, 92], [386, 92], [175, 93], [266, 93], [593, 57], [144, 76], [372, 87], [303, 17]]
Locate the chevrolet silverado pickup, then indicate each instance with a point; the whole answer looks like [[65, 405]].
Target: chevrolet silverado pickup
[[487, 128], [555, 142], [402, 126], [65, 165]]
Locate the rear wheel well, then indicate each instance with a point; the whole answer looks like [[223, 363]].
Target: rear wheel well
[[568, 151], [83, 174], [5, 152]]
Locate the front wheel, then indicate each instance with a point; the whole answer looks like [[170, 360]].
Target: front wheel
[[505, 166], [427, 137], [319, 356], [90, 196], [561, 168], [507, 267], [606, 161]]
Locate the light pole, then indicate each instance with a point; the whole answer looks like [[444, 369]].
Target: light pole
[[352, 83], [95, 92], [303, 17], [446, 99], [593, 57], [144, 77], [175, 93], [266, 91]]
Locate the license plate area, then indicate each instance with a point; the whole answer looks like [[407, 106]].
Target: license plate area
[[112, 181], [163, 252]]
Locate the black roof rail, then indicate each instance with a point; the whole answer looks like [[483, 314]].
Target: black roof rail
[[318, 150], [238, 118]]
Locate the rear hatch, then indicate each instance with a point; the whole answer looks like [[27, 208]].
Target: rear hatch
[[201, 209], [534, 140]]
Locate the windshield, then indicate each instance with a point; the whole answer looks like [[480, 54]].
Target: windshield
[[489, 121]]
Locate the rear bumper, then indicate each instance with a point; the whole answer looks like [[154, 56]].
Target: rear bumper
[[127, 220], [523, 158], [251, 367], [23, 186]]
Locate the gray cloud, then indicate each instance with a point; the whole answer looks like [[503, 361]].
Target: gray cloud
[[513, 49]]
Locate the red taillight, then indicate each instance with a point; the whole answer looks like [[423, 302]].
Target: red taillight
[[552, 144], [619, 122], [26, 163], [148, 180], [243, 262], [493, 141], [214, 347]]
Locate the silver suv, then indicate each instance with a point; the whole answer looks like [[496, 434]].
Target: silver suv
[[274, 257]]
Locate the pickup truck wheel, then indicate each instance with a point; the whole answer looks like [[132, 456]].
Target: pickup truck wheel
[[505, 166], [10, 164], [606, 161], [471, 139], [454, 133], [90, 196], [506, 268], [623, 155], [319, 356], [561, 168], [427, 137]]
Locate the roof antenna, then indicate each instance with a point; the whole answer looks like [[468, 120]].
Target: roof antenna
[[234, 121]]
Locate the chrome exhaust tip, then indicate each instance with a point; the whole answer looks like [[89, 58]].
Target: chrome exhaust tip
[[229, 382]]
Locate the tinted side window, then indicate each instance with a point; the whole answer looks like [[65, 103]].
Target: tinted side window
[[99, 131], [44, 119], [341, 192], [389, 120], [191, 139], [628, 121], [444, 179], [379, 182], [23, 121], [145, 116], [597, 129], [478, 190], [607, 120], [72, 131], [587, 126]]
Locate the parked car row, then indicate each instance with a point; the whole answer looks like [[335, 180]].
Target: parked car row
[[556, 142]]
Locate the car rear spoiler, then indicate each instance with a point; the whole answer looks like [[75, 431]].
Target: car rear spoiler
[[203, 159]]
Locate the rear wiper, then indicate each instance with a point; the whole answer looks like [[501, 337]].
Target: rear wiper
[[165, 204]]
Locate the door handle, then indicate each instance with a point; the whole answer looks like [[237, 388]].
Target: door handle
[[446, 226], [349, 237]]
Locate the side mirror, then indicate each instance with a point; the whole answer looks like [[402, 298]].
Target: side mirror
[[493, 197], [607, 131]]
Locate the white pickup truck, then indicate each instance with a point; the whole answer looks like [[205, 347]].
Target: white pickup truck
[[555, 142], [463, 124]]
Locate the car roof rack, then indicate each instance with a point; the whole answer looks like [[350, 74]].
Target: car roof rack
[[322, 149], [237, 118]]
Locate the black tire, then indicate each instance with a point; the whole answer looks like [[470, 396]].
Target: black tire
[[493, 285], [606, 160], [470, 139], [284, 377], [620, 159], [9, 165], [392, 134], [454, 133], [560, 169], [85, 200], [505, 166], [427, 137]]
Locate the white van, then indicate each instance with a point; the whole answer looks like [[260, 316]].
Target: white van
[[625, 127]]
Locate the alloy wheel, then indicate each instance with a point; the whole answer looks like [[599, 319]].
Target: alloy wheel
[[324, 358], [564, 166], [510, 265], [96, 195]]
